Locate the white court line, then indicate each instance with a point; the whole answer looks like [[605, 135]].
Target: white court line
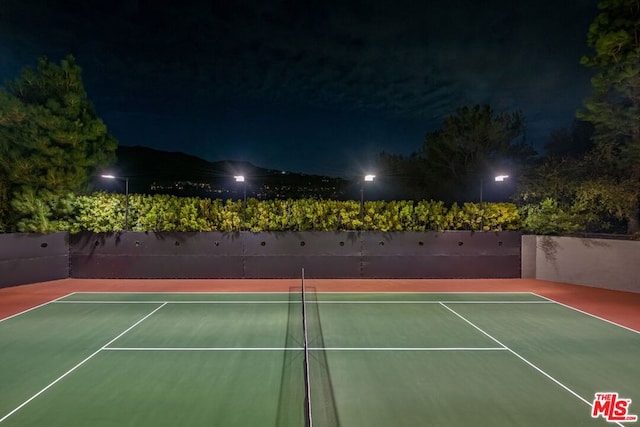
[[522, 358], [201, 348], [298, 302], [182, 302], [181, 293], [37, 306], [315, 292], [430, 302], [588, 314], [23, 404], [302, 348], [424, 293], [410, 349]]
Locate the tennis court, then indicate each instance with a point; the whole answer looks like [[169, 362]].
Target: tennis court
[[363, 359]]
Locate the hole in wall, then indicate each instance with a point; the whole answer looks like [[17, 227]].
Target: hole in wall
[[44, 245], [302, 243], [263, 243], [420, 243], [460, 243]]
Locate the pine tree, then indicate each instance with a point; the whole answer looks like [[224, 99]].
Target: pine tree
[[614, 108], [51, 141]]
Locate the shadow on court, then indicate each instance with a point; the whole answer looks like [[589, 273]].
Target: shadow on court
[[293, 395]]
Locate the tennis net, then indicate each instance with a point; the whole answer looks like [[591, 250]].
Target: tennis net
[[320, 404], [305, 342]]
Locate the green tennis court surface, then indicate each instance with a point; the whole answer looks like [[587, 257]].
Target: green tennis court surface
[[392, 359]]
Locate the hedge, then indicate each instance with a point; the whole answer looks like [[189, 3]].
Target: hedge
[[105, 212]]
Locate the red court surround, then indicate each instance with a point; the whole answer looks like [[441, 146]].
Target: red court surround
[[619, 307]]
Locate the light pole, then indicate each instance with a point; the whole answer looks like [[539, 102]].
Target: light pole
[[240, 178], [367, 178], [497, 178], [126, 197]]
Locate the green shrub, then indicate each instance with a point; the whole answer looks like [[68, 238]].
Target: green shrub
[[548, 217], [105, 212]]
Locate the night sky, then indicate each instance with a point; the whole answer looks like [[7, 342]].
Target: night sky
[[307, 86]]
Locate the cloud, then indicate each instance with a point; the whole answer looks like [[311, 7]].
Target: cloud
[[402, 62]]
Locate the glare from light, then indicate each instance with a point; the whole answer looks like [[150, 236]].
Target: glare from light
[[369, 178], [108, 176], [501, 178], [239, 178]]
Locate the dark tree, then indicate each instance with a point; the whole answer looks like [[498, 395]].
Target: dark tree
[[472, 145], [614, 107], [51, 141], [574, 142]]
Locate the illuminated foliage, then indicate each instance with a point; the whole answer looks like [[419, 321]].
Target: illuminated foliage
[[104, 212]]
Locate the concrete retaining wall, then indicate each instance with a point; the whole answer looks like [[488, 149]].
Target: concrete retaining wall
[[29, 258], [283, 255], [603, 263]]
